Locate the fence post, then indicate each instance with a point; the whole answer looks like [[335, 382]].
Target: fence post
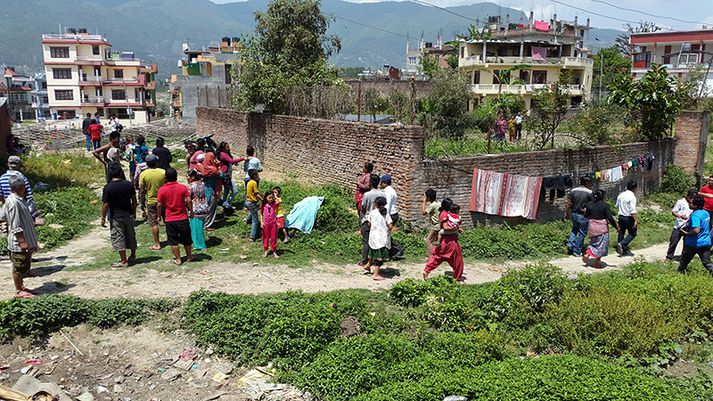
[[359, 101], [413, 101]]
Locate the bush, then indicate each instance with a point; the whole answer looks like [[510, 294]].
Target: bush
[[544, 378], [43, 315], [676, 181], [289, 328], [412, 292], [354, 366]]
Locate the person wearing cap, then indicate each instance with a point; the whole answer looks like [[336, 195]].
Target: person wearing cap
[[164, 155], [21, 234], [396, 250], [13, 169], [150, 181]]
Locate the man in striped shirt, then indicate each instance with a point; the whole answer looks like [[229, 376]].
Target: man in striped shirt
[[21, 235], [13, 166]]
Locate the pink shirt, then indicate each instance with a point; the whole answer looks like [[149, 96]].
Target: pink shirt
[[226, 160], [269, 213]]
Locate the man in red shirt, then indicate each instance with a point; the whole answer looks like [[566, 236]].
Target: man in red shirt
[[95, 132], [175, 200], [706, 192]]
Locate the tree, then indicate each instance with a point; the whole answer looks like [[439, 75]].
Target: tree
[[445, 109], [288, 52], [616, 65], [548, 110], [652, 101], [622, 40], [429, 65], [595, 124], [504, 77]]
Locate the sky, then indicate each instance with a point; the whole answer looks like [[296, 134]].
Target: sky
[[698, 11]]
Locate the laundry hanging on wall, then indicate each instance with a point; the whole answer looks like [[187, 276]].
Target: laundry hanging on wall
[[556, 186], [504, 194]]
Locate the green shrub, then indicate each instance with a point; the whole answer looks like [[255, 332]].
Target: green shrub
[[412, 292], [289, 328], [566, 378], [675, 180], [61, 170], [357, 365], [42, 315]]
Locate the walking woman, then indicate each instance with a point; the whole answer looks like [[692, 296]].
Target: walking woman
[[449, 250], [226, 172], [211, 175], [600, 216]]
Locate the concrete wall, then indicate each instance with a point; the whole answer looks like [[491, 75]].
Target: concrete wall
[[318, 151], [198, 90]]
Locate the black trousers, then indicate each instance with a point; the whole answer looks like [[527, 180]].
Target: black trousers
[[673, 243], [689, 252], [365, 242], [396, 250], [626, 224]]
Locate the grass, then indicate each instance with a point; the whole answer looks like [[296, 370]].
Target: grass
[[471, 145]]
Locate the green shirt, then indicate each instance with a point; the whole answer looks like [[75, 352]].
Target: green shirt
[[432, 211], [151, 180]]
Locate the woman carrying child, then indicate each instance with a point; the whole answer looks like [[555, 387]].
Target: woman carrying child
[[449, 249], [380, 226], [268, 222]]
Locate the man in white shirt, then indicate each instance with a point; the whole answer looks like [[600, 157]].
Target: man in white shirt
[[626, 204], [396, 250], [518, 126], [681, 211]]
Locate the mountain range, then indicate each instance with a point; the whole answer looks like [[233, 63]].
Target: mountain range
[[373, 34]]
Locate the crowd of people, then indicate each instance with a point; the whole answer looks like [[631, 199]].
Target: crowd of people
[[508, 128]]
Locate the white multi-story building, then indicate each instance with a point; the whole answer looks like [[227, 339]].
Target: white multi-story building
[[85, 76]]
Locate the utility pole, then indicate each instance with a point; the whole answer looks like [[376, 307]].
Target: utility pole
[[359, 101], [413, 100]]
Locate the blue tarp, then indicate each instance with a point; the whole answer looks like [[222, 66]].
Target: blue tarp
[[304, 213]]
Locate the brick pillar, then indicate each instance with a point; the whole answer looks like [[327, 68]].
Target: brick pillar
[[692, 136]]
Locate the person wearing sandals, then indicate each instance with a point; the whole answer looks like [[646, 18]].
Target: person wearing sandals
[[21, 234], [175, 200], [600, 216], [119, 199]]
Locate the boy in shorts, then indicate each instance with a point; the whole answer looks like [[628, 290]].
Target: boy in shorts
[[174, 200]]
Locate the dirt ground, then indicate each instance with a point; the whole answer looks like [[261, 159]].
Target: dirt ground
[[143, 363], [156, 280]]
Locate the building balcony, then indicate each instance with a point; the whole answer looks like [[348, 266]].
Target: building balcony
[[526, 89], [90, 81], [123, 82], [574, 62], [150, 85], [93, 101]]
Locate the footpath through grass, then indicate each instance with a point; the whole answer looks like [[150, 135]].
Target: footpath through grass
[[534, 334]]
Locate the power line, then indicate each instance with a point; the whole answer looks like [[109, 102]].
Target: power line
[[369, 26], [595, 13], [423, 3], [651, 15]]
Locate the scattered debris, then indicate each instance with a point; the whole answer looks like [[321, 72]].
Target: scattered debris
[[171, 374]]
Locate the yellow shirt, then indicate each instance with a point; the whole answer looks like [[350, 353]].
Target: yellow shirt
[[278, 209], [152, 179], [252, 191]]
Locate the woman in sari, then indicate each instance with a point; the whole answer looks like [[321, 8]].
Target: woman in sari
[[600, 216]]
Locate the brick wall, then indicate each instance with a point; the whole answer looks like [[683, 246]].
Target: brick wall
[[318, 151], [691, 130], [453, 177]]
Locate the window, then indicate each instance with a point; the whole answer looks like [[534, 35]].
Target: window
[[118, 94], [667, 55], [64, 94], [412, 61], [228, 72], [476, 77], [525, 76], [99, 92], [539, 77], [44, 84], [95, 50], [59, 52], [62, 73], [119, 74]]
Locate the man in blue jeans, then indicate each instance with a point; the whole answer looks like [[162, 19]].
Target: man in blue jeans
[[574, 209], [85, 129]]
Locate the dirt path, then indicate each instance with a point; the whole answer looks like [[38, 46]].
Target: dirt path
[[241, 278]]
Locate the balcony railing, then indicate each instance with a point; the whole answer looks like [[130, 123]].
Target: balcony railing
[[566, 61], [84, 36], [493, 89], [119, 81], [90, 80], [93, 57], [93, 100]]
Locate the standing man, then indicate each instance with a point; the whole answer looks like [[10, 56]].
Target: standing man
[[96, 117], [175, 200], [190, 147], [150, 181], [518, 126], [626, 204], [251, 163], [85, 129], [367, 203], [681, 211], [430, 207], [706, 192], [396, 250], [697, 235], [574, 209], [13, 169], [119, 199], [109, 152], [164, 155], [21, 235]]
